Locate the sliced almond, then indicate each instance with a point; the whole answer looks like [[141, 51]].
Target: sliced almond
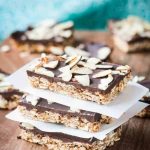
[[126, 67], [66, 73], [102, 86], [51, 64], [104, 66], [64, 69], [107, 80], [56, 50], [65, 33], [44, 72], [83, 79], [75, 61], [102, 73], [82, 52], [32, 99], [104, 52], [67, 76], [71, 51], [93, 60], [115, 72], [70, 58], [81, 70], [87, 65]]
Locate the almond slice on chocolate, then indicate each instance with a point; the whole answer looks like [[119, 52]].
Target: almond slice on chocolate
[[104, 66], [74, 61], [32, 99], [105, 82], [44, 72], [93, 60], [81, 70], [51, 64], [102, 86], [126, 67], [104, 52], [56, 50], [71, 51], [66, 73], [102, 73], [87, 65], [83, 79], [67, 76]]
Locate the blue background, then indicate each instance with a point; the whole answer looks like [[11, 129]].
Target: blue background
[[87, 14]]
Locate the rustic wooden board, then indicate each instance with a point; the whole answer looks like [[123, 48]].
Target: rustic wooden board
[[136, 133]]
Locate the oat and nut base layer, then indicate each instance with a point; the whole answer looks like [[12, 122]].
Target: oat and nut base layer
[[47, 111], [144, 113], [59, 141], [9, 98], [80, 77], [67, 120]]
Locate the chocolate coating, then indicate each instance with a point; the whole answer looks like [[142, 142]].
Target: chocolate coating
[[43, 106], [61, 136], [145, 83], [93, 87], [9, 93]]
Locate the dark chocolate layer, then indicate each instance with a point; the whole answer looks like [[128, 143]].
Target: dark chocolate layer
[[43, 106], [61, 136], [9, 93], [146, 83], [91, 47], [93, 87], [21, 37]]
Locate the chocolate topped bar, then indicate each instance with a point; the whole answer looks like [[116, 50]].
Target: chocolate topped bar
[[45, 105], [55, 140], [9, 96], [80, 74], [48, 36], [131, 34], [47, 31], [48, 111]]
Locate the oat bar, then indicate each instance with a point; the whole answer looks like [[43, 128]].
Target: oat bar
[[145, 112], [9, 96], [44, 110], [48, 37], [80, 77], [57, 141], [131, 34]]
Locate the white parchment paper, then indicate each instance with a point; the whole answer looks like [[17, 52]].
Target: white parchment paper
[[132, 93], [50, 127]]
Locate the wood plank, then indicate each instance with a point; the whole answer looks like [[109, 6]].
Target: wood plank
[[136, 132]]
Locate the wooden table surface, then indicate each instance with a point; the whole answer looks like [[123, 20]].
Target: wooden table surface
[[136, 132]]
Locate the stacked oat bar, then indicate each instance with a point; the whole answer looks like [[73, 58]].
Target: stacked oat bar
[[87, 79]]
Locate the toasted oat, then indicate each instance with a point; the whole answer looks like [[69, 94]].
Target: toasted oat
[[83, 79], [56, 50]]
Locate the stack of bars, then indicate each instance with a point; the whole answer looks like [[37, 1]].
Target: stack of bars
[[75, 102]]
